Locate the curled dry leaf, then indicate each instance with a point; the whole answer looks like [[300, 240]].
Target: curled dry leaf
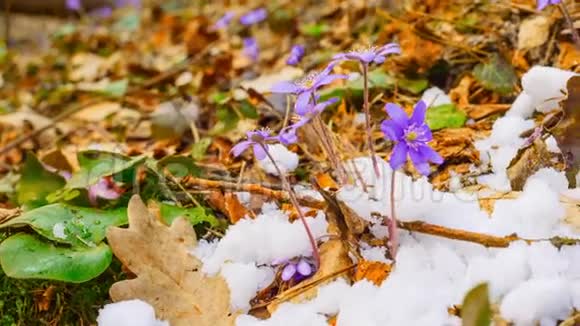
[[527, 162], [229, 204], [374, 271], [168, 277], [567, 132]]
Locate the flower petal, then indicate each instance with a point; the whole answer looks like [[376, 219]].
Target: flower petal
[[431, 155], [288, 272], [543, 4], [379, 59], [424, 134], [304, 268], [392, 130], [399, 155], [302, 103], [419, 161], [259, 151], [325, 80], [240, 147], [419, 111], [391, 48], [397, 114], [285, 87], [288, 136]]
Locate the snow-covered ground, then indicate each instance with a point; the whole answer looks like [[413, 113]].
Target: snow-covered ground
[[531, 283]]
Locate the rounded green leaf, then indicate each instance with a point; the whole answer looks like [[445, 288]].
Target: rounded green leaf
[[27, 256], [69, 224], [36, 183]]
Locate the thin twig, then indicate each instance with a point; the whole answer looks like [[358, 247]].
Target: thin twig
[[251, 188]]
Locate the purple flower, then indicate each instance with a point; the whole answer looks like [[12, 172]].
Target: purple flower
[[288, 135], [544, 3], [256, 139], [74, 5], [254, 17], [224, 20], [297, 269], [105, 188], [296, 54], [102, 12], [369, 55], [306, 87], [411, 136], [127, 3], [251, 48]]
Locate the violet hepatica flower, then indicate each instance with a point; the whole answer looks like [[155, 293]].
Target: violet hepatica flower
[[105, 188], [128, 3], [253, 17], [544, 3], [74, 5], [411, 136], [297, 270], [305, 88], [296, 54], [224, 20], [369, 55], [102, 12], [288, 135], [256, 139], [251, 48]]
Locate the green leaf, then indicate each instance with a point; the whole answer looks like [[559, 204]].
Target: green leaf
[[496, 75], [476, 309], [445, 116], [97, 164], [227, 120], [195, 215], [76, 226], [64, 30], [198, 149], [27, 256], [248, 110], [36, 183], [415, 86], [179, 166], [129, 22], [117, 88], [314, 29]]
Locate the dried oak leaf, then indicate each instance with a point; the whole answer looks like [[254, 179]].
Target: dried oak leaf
[[567, 132], [527, 162], [168, 277]]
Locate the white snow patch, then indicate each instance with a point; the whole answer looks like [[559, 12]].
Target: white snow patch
[[539, 300], [244, 281], [556, 180], [286, 160], [128, 313], [435, 96], [268, 237], [552, 145], [544, 85], [500, 148]]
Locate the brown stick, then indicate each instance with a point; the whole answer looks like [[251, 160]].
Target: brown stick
[[441, 231], [252, 188]]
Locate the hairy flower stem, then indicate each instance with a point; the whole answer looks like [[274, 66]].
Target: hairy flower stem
[[393, 231], [328, 146], [568, 18], [368, 118], [294, 201]]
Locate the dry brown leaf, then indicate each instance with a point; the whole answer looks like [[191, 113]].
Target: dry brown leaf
[[567, 132], [229, 205], [97, 112], [527, 162], [168, 277], [569, 56], [534, 32], [374, 271]]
